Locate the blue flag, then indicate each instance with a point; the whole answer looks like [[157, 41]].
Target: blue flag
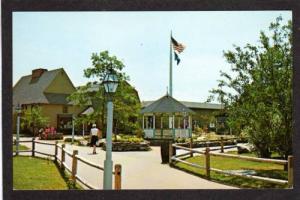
[[176, 57]]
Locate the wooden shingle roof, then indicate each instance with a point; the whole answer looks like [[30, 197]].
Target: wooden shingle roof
[[27, 92], [192, 105], [166, 104]]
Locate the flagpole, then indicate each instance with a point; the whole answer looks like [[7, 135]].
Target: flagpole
[[171, 73]]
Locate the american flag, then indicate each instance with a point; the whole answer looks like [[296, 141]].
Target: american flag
[[177, 46]]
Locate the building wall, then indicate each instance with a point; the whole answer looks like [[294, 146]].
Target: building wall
[[51, 111], [60, 85]]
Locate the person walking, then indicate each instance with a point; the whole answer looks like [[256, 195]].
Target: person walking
[[94, 137]]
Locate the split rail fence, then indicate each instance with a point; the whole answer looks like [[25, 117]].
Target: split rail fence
[[207, 153], [75, 159]]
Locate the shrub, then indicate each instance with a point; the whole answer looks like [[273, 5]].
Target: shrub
[[70, 140], [139, 133], [127, 138], [135, 140], [244, 134], [221, 130], [180, 140], [198, 130], [56, 136], [194, 136]]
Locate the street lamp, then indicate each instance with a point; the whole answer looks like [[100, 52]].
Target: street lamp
[[18, 111], [73, 128], [110, 83]]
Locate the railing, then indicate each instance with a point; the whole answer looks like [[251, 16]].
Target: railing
[[222, 141], [208, 168], [149, 133], [75, 158], [183, 133]]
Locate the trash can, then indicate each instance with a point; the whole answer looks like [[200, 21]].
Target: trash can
[[164, 150]]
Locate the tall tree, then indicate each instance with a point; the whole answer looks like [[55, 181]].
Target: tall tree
[[126, 102], [258, 93]]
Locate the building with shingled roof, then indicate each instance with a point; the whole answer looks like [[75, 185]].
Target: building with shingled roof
[[206, 115], [49, 90], [167, 118]]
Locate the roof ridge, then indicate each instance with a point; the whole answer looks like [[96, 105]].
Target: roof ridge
[[28, 92], [58, 69]]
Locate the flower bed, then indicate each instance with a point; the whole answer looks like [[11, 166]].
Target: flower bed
[[129, 146], [51, 136], [128, 143]]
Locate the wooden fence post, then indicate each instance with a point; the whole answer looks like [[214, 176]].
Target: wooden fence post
[[222, 145], [62, 157], [74, 166], [33, 147], [207, 162], [290, 171], [191, 147], [170, 152], [118, 173], [55, 153]]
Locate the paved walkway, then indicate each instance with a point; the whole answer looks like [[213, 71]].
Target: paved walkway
[[140, 170]]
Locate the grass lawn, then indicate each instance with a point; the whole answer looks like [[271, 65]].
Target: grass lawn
[[21, 147], [252, 154], [38, 174], [261, 169]]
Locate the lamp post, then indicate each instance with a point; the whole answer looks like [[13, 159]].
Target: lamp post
[[18, 111], [73, 128], [83, 129], [110, 83]]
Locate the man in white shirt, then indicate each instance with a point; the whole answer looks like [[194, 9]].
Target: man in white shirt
[[94, 137]]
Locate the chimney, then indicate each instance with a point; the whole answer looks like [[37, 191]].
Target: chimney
[[36, 74]]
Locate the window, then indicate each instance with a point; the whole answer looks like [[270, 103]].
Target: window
[[65, 109]]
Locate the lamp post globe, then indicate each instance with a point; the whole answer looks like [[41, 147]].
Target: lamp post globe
[[110, 83], [18, 111]]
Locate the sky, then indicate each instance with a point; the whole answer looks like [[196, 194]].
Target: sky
[[141, 40]]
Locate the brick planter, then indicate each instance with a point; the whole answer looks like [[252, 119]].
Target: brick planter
[[129, 146]]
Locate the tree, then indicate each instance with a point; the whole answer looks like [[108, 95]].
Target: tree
[[258, 93], [126, 102], [34, 119]]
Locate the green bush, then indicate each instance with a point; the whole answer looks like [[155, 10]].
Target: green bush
[[56, 136], [68, 140], [127, 138], [135, 140], [195, 136], [244, 134], [180, 140], [139, 133], [198, 130]]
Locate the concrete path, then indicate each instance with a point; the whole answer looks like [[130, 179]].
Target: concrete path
[[140, 170]]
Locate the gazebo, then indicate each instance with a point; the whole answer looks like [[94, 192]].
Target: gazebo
[[167, 118]]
